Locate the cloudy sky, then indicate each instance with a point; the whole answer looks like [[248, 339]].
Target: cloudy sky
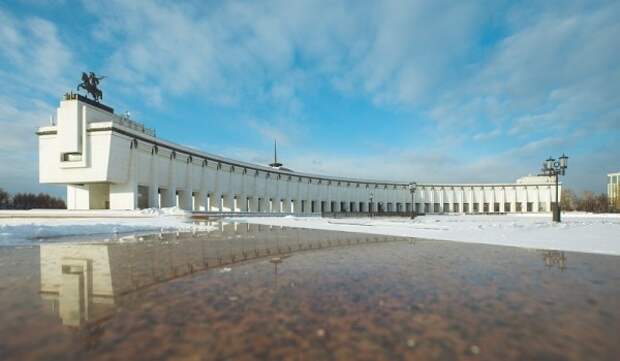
[[431, 91]]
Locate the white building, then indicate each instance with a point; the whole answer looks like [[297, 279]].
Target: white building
[[108, 161], [613, 187]]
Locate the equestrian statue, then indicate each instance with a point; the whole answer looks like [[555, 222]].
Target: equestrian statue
[[90, 83]]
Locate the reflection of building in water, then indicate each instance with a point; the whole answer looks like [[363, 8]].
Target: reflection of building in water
[[83, 282], [555, 258]]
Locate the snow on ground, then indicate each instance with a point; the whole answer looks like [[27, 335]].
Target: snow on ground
[[38, 226], [578, 232]]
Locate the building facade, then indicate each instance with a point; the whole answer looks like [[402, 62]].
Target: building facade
[[613, 188], [108, 161]]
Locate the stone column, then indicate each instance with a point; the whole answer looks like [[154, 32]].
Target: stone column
[[154, 179], [441, 199], [185, 199], [431, 208], [502, 199], [169, 197]]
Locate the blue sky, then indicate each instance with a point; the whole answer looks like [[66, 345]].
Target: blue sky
[[431, 91]]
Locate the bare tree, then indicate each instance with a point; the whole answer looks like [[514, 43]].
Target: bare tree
[[5, 199], [30, 201], [601, 203], [568, 200]]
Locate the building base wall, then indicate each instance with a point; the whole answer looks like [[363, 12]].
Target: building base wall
[[78, 196], [123, 196]]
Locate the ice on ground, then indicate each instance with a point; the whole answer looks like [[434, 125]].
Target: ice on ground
[[578, 232], [22, 229], [171, 211]]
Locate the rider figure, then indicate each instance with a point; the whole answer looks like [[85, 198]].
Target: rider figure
[[94, 80]]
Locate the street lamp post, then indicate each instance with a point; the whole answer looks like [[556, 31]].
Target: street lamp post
[[556, 168], [412, 187], [370, 205]]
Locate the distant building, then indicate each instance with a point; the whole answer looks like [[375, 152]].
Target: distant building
[[613, 188]]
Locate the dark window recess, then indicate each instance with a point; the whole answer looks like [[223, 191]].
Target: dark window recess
[[71, 157]]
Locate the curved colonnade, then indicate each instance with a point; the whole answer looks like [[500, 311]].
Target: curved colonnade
[[111, 162]]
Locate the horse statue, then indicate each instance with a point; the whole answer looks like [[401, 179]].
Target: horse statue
[[90, 83]]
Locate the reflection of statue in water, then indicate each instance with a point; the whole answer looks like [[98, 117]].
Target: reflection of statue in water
[[90, 83]]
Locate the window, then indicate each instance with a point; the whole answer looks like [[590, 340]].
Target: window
[[530, 206], [446, 207], [427, 207], [496, 207], [506, 207], [476, 207], [485, 208], [455, 207], [71, 157], [143, 197], [436, 208], [541, 207], [519, 207], [465, 207]]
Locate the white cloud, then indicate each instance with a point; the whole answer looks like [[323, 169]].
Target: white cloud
[[268, 132], [37, 67], [38, 58], [487, 135], [556, 70], [552, 72], [394, 51]]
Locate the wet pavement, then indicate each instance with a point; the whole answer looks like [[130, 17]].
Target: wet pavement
[[250, 292]]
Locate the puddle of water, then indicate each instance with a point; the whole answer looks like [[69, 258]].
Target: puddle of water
[[261, 292]]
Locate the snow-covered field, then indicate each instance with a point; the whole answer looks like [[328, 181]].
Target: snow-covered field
[[40, 225], [579, 232]]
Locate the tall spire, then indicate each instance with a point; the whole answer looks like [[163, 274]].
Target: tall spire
[[275, 163]]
